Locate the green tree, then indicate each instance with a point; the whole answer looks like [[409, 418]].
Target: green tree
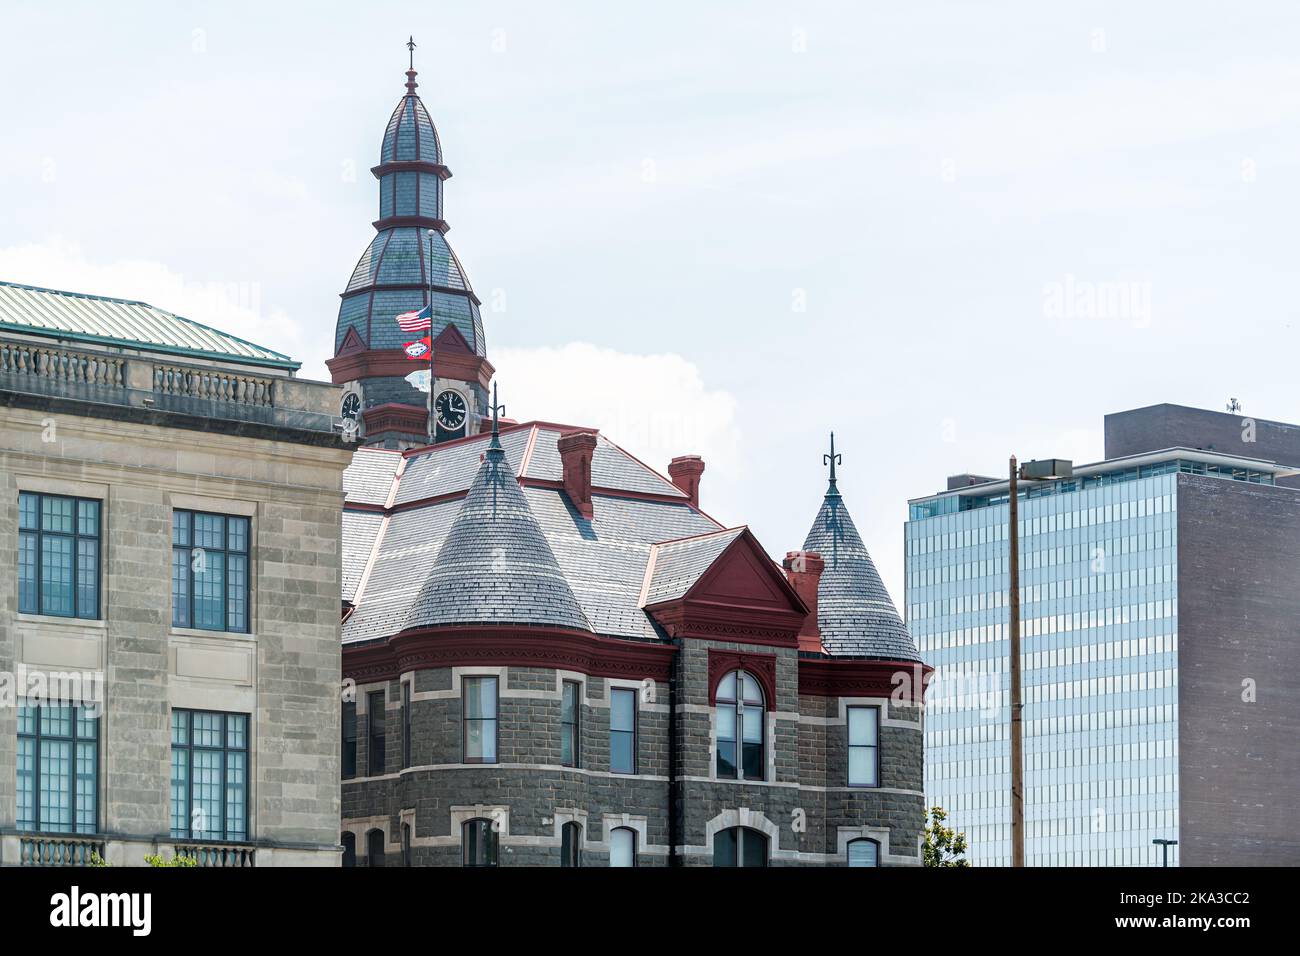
[[943, 846], [176, 860]]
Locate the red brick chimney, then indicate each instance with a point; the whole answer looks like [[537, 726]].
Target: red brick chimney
[[685, 471], [803, 569], [576, 449]]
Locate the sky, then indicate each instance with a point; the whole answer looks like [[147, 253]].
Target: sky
[[950, 232]]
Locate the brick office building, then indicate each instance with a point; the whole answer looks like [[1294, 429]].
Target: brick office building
[[559, 658]]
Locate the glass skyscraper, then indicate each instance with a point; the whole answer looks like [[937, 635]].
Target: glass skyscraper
[[1099, 609]]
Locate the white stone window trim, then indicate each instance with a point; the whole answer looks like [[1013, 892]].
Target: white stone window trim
[[845, 835], [360, 828], [751, 820], [637, 824]]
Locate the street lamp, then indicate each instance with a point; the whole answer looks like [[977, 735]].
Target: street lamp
[[1164, 849], [1049, 469]]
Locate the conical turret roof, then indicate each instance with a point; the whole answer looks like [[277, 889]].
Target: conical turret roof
[[495, 566], [854, 612]]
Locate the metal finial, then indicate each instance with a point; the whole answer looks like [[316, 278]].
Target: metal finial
[[410, 71], [496, 423], [832, 459]]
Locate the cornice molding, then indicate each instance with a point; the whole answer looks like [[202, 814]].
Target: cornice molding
[[467, 646]]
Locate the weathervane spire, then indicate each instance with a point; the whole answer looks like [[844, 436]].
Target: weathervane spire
[[832, 459], [410, 72], [495, 444]]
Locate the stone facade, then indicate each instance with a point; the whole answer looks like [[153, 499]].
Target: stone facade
[[804, 805], [142, 464]]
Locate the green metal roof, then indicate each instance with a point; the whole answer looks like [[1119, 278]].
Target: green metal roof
[[96, 318]]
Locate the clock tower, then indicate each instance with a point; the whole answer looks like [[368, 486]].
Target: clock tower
[[408, 267]]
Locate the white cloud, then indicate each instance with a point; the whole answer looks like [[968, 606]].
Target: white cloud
[[232, 307], [655, 406]]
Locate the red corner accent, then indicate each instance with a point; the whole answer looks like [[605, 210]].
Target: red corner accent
[[450, 340], [762, 666], [351, 342], [556, 648], [741, 597], [393, 417], [393, 363], [847, 677]]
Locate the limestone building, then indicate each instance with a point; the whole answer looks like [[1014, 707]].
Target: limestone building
[[169, 622]]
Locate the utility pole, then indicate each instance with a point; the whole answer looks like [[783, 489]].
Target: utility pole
[[1013, 640], [1049, 469]]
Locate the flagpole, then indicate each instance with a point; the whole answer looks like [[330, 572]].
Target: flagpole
[[432, 426]]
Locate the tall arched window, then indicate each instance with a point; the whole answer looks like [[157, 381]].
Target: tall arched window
[[479, 841], [349, 842], [571, 844], [406, 844], [864, 852], [740, 727], [739, 846], [622, 846], [375, 848]]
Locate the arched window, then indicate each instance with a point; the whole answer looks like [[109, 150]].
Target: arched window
[[740, 727], [571, 844], [864, 852], [375, 848], [406, 844], [479, 841], [349, 841], [622, 847], [739, 846]]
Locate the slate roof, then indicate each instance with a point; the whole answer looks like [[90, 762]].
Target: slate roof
[[602, 559], [854, 612], [76, 316], [410, 133], [677, 565]]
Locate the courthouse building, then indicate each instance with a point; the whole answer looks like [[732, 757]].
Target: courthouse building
[[169, 618], [559, 658]]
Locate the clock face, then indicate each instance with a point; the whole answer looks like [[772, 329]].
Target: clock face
[[451, 410], [350, 406]]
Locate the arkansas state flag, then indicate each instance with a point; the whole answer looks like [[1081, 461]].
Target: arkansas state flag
[[417, 350], [419, 321]]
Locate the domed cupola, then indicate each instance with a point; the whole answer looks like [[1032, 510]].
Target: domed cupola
[[408, 267], [855, 615]]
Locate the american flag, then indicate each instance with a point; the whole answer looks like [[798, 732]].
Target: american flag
[[418, 321]]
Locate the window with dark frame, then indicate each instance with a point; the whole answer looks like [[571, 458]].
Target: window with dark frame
[[406, 844], [864, 852], [349, 728], [209, 786], [349, 841], [480, 731], [571, 724], [864, 746], [376, 718], [479, 841], [739, 846], [741, 715], [622, 730], [622, 847], [58, 769], [406, 724], [210, 571], [375, 848], [571, 844], [58, 555]]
